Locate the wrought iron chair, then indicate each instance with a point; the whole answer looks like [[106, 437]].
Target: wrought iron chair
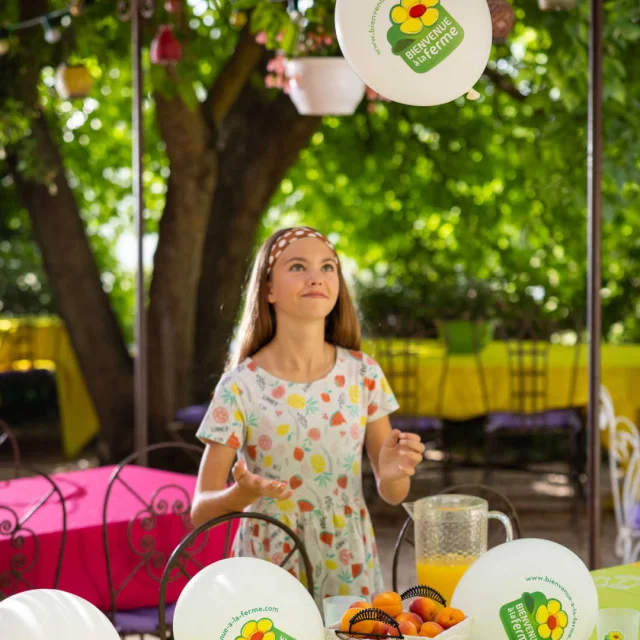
[[7, 435], [624, 470], [497, 501], [529, 413], [177, 562], [401, 360], [149, 558], [23, 542]]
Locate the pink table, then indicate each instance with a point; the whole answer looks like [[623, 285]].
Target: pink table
[[133, 532]]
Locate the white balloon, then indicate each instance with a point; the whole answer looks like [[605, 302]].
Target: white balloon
[[243, 598], [429, 66], [49, 614], [515, 589]]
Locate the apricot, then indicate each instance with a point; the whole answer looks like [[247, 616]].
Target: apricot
[[383, 629], [361, 604], [366, 626], [430, 630], [413, 618], [408, 628], [390, 602], [426, 608], [449, 617]]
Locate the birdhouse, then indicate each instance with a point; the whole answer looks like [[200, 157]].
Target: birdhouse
[[165, 47], [73, 81]]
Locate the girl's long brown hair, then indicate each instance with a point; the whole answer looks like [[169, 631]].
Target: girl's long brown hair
[[258, 324]]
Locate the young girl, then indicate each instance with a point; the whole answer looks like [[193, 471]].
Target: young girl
[[297, 405]]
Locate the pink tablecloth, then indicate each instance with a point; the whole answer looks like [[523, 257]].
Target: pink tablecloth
[[132, 533]]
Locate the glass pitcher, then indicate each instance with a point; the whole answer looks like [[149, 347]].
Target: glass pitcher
[[450, 534]]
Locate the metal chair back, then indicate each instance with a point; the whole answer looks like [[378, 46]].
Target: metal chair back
[[24, 543], [177, 561], [624, 472], [401, 360], [528, 366], [149, 559]]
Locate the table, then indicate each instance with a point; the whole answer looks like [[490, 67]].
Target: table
[[84, 566], [463, 396], [50, 347], [618, 588]]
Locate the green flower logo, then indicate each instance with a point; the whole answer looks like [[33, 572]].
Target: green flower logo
[[551, 620], [413, 15]]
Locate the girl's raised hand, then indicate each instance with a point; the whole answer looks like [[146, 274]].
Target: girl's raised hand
[[257, 486], [399, 456]]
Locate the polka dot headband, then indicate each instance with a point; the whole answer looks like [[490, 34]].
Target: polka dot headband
[[283, 241]]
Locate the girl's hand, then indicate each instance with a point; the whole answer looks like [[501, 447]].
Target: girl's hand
[[258, 487], [399, 455]]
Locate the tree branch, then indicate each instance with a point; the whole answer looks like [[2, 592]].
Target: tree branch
[[501, 82], [231, 79]]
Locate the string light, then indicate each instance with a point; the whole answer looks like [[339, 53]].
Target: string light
[[51, 34], [49, 22], [75, 8], [4, 42]]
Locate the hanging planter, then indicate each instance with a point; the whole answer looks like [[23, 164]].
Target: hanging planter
[[556, 5], [165, 48], [502, 19], [73, 81], [466, 336], [324, 86]]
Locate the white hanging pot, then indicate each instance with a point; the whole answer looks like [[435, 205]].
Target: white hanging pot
[[324, 86]]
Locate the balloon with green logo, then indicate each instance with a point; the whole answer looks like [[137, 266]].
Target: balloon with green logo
[[529, 589], [417, 52], [246, 599]]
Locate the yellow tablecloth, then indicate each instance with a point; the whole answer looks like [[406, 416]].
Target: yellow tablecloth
[[463, 399], [48, 343]]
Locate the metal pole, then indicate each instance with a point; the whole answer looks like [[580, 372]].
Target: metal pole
[[137, 135], [594, 205]]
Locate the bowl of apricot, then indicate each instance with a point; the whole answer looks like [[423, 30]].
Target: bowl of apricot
[[419, 612]]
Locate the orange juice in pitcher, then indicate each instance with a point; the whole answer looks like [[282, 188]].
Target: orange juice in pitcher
[[442, 574]]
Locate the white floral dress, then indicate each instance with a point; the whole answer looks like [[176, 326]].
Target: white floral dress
[[310, 435]]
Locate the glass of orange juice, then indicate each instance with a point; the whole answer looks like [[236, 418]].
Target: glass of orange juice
[[450, 534]]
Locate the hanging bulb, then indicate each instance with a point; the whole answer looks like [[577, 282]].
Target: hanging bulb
[[472, 94], [75, 8], [51, 34]]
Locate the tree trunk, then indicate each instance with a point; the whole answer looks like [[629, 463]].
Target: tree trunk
[[178, 258], [80, 299], [259, 144]]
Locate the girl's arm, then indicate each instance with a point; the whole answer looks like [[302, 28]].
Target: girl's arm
[[394, 456], [214, 498]]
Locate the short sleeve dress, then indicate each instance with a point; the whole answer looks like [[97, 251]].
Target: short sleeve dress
[[310, 435]]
